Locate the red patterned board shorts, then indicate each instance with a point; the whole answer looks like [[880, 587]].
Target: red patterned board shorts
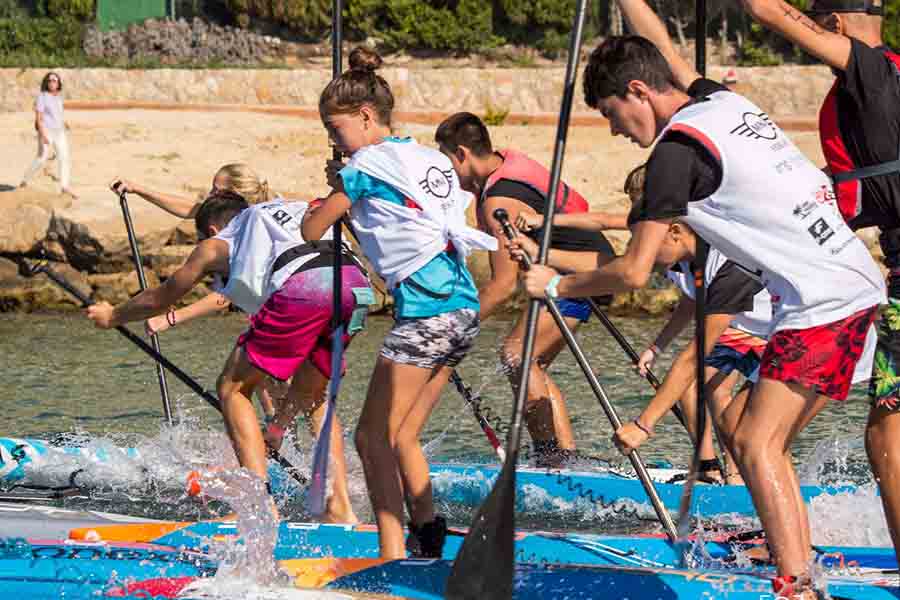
[[823, 357]]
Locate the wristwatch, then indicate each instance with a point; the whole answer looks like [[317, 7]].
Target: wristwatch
[[551, 290]]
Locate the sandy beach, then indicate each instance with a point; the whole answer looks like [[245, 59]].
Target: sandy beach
[[178, 151]]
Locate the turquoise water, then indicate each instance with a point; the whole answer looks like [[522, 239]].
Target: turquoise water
[[62, 374]]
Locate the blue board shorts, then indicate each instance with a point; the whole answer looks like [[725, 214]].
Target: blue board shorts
[[575, 308]]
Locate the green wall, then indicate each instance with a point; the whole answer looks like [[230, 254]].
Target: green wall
[[117, 14]]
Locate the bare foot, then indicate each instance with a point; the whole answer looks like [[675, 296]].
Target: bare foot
[[339, 512], [69, 192], [734, 479]]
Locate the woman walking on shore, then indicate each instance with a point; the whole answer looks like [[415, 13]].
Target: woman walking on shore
[[51, 133]]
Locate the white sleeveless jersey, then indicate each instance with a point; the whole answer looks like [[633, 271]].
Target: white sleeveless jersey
[[775, 213], [256, 238], [399, 240], [757, 322]]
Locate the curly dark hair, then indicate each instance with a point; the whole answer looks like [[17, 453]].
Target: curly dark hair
[[45, 82], [619, 60], [218, 209]]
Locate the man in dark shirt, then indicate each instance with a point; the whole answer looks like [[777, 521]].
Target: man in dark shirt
[[512, 181], [640, 89], [860, 128]]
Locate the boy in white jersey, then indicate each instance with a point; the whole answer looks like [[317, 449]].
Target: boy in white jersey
[[286, 285], [724, 168]]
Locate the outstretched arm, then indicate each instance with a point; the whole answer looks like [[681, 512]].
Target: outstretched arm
[[209, 304], [209, 256], [569, 261], [589, 221], [645, 23], [176, 205], [622, 274], [789, 22], [682, 374]]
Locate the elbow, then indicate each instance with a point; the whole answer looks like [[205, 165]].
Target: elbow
[[311, 233], [636, 278], [760, 10]]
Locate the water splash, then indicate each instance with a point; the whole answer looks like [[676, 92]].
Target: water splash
[[257, 526]]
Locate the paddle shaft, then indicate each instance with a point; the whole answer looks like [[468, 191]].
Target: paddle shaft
[[316, 501], [466, 392], [165, 362], [484, 567], [629, 350], [634, 457], [684, 520], [142, 280]]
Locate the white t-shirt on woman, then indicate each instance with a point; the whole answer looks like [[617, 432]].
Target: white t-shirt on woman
[[50, 107]]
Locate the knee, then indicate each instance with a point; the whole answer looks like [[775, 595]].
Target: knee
[[741, 442], [225, 387], [369, 442], [405, 440]]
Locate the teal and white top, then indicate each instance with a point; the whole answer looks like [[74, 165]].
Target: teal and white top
[[409, 214]]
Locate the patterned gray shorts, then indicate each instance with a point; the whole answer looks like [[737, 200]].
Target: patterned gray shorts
[[429, 342]]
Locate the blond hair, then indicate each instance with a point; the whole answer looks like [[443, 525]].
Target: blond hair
[[245, 181]]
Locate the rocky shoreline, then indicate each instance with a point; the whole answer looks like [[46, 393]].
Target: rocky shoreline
[[179, 151], [95, 256]]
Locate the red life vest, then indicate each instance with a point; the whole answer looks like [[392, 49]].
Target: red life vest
[[522, 169], [845, 173]]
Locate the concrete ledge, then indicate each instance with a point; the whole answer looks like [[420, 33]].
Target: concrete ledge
[[583, 119]]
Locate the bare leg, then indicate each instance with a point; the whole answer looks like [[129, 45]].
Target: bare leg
[[774, 414], [414, 470], [393, 391], [883, 448], [546, 414], [235, 386], [727, 421], [312, 386]]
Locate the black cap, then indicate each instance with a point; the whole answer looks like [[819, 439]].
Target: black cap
[[826, 7]]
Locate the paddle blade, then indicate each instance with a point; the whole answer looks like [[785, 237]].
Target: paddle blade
[[318, 488], [483, 569]]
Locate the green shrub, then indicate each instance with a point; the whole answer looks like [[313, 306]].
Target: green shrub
[[756, 51], [307, 17], [461, 26], [495, 116], [39, 36], [82, 10], [12, 9], [892, 24]]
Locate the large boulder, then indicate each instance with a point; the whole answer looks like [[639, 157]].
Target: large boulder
[[168, 259], [19, 293], [116, 288], [25, 218], [93, 236]]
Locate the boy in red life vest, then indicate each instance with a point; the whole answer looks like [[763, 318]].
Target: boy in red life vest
[[510, 180], [859, 125]]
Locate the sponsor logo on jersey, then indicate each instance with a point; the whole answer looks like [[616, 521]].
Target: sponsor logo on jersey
[[756, 126]]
